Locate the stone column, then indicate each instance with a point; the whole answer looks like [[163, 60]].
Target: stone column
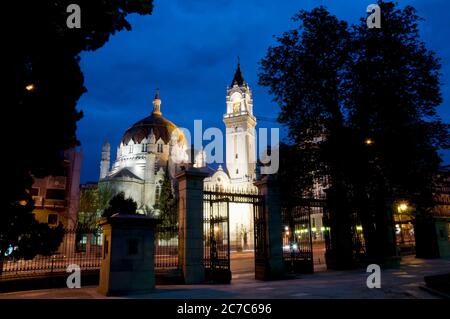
[[190, 243], [269, 187], [128, 255]]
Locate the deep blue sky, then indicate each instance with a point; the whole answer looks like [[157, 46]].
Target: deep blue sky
[[188, 49]]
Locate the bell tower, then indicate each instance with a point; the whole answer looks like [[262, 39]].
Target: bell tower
[[240, 130]]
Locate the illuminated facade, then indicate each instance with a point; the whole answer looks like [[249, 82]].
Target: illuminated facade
[[240, 157], [148, 150]]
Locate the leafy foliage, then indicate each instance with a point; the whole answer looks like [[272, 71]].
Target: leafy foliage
[[167, 204], [120, 205], [43, 55], [339, 87]]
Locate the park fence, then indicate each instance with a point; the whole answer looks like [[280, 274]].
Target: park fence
[[83, 247]]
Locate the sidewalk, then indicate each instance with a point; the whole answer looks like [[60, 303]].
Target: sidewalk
[[402, 282]]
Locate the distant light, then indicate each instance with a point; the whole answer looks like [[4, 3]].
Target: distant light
[[216, 229], [359, 228], [286, 228], [402, 207], [22, 202], [30, 87], [368, 141]]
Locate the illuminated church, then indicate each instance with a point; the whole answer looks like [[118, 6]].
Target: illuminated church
[[154, 145]]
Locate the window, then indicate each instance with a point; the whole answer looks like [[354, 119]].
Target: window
[[160, 148], [35, 191], [236, 156], [55, 194], [81, 241], [144, 147], [237, 171], [130, 149], [52, 219]]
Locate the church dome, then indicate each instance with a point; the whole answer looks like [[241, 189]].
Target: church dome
[[156, 124]]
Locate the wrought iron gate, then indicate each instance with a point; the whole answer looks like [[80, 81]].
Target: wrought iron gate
[[297, 239], [216, 232], [261, 249]]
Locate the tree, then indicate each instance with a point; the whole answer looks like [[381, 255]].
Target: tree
[[393, 89], [167, 203], [43, 82], [120, 205], [304, 73], [360, 105], [88, 209], [93, 202]]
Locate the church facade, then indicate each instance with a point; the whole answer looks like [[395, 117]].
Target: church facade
[[155, 146]]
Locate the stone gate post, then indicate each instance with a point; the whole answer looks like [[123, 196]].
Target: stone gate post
[[269, 187], [190, 244]]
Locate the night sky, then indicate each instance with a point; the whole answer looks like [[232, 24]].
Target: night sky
[[189, 49]]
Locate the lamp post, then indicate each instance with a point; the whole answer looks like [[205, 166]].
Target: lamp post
[[402, 208]]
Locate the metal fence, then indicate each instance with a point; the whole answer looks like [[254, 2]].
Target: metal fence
[[83, 247], [80, 246], [166, 247]]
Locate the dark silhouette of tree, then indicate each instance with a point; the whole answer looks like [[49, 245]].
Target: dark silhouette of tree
[[42, 84], [120, 205], [393, 89], [40, 240], [304, 73], [360, 105]]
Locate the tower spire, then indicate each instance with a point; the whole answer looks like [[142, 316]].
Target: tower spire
[[238, 76], [157, 103]]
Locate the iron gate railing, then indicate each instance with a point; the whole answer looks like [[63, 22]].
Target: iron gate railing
[[216, 231], [297, 239], [83, 246]]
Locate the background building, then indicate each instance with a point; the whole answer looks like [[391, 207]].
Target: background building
[[57, 198], [149, 149]]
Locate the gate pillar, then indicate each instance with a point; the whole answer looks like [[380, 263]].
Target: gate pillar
[[190, 243], [269, 187]]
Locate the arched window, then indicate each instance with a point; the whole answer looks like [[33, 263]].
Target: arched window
[[157, 193], [160, 148], [130, 149], [144, 147]]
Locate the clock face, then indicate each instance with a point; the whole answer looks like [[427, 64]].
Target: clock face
[[236, 107]]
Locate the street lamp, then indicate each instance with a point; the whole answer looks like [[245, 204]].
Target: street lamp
[[368, 141], [402, 207], [30, 87]]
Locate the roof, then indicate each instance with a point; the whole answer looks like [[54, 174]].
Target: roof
[[161, 127], [125, 173]]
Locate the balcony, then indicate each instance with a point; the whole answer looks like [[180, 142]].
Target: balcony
[[55, 203]]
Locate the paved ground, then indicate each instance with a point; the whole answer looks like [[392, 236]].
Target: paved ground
[[402, 282]]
